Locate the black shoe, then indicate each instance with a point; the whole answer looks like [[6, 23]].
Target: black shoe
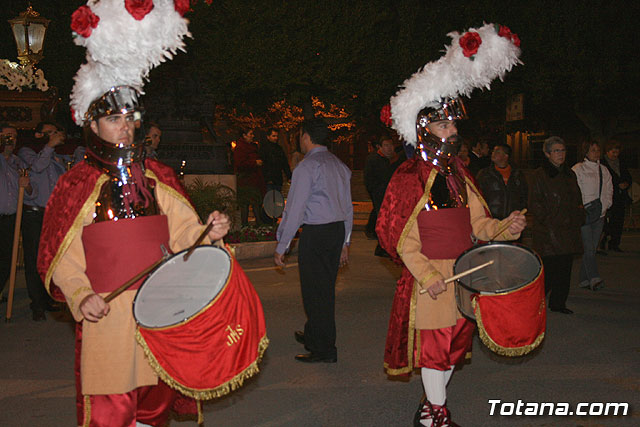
[[601, 252], [315, 358], [38, 316], [370, 235], [53, 307], [564, 310], [615, 249], [299, 336], [381, 252]]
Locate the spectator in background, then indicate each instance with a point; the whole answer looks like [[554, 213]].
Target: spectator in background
[[595, 185], [275, 164], [296, 156], [378, 169], [621, 182], [556, 205], [248, 168], [46, 167], [463, 153], [10, 181], [503, 186], [152, 140], [479, 156]]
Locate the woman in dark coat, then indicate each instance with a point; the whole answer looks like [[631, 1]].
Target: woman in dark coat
[[556, 205]]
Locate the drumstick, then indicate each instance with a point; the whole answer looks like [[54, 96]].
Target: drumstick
[[462, 274], [133, 280], [506, 225], [200, 239]]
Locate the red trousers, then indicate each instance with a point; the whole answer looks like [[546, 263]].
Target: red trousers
[[442, 348]]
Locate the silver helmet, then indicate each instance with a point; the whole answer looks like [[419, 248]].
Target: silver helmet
[[117, 100], [430, 147]]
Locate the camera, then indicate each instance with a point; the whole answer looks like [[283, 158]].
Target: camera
[[7, 140]]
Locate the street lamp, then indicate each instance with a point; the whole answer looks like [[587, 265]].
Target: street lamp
[[29, 29]]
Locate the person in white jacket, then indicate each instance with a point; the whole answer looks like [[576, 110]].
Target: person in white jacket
[[592, 188]]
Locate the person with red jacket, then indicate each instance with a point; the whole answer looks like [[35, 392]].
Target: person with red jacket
[[248, 168]]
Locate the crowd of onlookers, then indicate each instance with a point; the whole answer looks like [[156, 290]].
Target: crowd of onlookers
[[576, 210]]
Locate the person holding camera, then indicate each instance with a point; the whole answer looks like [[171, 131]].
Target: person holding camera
[[45, 166], [10, 181], [152, 140], [596, 187]]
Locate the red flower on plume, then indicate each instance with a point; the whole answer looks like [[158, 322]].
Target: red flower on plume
[[385, 115], [138, 8], [83, 21], [506, 32], [181, 6], [470, 43]]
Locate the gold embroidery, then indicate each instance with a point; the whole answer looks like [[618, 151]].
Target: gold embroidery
[[87, 411], [416, 211], [478, 194], [77, 292], [149, 174], [428, 277], [234, 334], [77, 225]]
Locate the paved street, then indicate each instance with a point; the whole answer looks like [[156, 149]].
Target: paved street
[[591, 356]]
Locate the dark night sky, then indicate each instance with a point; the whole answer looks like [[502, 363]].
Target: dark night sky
[[575, 54]]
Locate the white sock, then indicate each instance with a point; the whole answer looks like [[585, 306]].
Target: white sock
[[139, 424], [435, 383]]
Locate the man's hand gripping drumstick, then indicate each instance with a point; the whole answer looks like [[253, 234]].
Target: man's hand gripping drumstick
[[94, 307]]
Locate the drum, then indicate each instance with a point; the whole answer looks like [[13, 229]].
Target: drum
[[201, 323], [506, 299], [273, 204]]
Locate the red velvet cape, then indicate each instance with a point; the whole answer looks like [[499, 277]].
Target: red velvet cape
[[74, 191]]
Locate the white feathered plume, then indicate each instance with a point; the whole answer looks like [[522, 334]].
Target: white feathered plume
[[121, 50], [453, 75]]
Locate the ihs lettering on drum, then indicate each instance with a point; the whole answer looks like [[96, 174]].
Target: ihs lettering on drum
[[234, 334]]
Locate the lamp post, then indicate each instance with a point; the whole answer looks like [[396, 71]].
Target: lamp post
[[29, 29]]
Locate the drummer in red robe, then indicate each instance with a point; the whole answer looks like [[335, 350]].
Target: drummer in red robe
[[109, 218], [432, 212]]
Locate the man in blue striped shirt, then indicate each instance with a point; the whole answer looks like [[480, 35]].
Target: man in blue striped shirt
[[320, 201]]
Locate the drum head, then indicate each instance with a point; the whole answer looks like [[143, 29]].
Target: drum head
[[177, 290], [273, 203], [514, 266]]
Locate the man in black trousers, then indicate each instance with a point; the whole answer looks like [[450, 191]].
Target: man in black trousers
[[320, 201]]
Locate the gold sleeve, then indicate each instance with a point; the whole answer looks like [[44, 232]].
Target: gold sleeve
[[70, 276]]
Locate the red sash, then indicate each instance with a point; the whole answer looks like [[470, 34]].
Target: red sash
[[445, 233], [115, 251]]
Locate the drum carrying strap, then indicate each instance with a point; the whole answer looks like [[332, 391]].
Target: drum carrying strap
[[512, 323]]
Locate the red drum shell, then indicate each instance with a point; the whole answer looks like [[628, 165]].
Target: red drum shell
[[507, 299]]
